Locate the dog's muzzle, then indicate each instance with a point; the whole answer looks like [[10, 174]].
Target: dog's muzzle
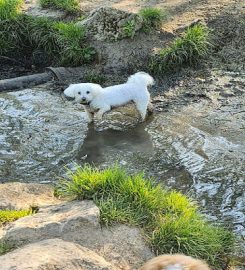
[[85, 102]]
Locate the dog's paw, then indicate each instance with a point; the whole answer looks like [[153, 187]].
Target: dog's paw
[[98, 117]]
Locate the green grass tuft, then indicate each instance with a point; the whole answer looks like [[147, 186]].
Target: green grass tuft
[[94, 77], [129, 29], [7, 216], [186, 50], [193, 236], [62, 43], [10, 9], [152, 17], [5, 247], [12, 215], [67, 5], [170, 220]]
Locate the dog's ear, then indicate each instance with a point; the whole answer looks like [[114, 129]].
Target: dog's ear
[[70, 91]]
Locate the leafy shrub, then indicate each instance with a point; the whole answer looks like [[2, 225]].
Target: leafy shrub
[[153, 17], [170, 220], [62, 43], [10, 9], [67, 5], [186, 50]]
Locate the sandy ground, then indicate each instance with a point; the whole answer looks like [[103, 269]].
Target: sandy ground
[[180, 12]]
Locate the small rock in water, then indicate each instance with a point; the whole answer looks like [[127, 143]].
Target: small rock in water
[[121, 118]]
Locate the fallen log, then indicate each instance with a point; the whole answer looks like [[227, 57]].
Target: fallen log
[[58, 73], [25, 81]]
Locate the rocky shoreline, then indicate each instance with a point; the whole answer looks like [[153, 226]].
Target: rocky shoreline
[[64, 233]]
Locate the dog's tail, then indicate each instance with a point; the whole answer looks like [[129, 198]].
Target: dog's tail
[[142, 78]]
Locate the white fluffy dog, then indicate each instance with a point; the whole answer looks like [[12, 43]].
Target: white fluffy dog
[[100, 100]]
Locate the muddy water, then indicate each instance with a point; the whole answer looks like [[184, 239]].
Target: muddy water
[[133, 149], [39, 133], [99, 147]]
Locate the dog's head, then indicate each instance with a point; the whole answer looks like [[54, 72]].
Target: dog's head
[[83, 93]]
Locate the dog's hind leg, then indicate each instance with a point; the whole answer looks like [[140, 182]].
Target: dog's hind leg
[[142, 108]]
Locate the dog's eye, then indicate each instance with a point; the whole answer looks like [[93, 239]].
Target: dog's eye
[[79, 93], [87, 92]]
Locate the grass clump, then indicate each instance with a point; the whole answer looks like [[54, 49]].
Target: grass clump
[[10, 9], [186, 50], [61, 43], [94, 77], [170, 220], [67, 5], [152, 17], [129, 29], [5, 247], [7, 216]]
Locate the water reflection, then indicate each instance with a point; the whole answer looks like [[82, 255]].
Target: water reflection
[[98, 147]]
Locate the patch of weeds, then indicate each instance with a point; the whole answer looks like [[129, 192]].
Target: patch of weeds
[[152, 18], [67, 5], [10, 9], [69, 38], [129, 29], [170, 220], [5, 247], [186, 50], [62, 43], [7, 216], [80, 18], [94, 77]]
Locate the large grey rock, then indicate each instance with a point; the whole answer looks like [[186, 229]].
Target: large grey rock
[[24, 196], [54, 254], [39, 133], [79, 222], [107, 23], [54, 221]]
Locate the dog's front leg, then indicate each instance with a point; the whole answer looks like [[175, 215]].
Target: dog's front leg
[[89, 113], [101, 111]]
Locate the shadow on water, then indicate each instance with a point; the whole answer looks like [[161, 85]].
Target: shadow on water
[[98, 147]]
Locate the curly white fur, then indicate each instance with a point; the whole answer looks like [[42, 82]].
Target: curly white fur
[[95, 98], [175, 262]]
